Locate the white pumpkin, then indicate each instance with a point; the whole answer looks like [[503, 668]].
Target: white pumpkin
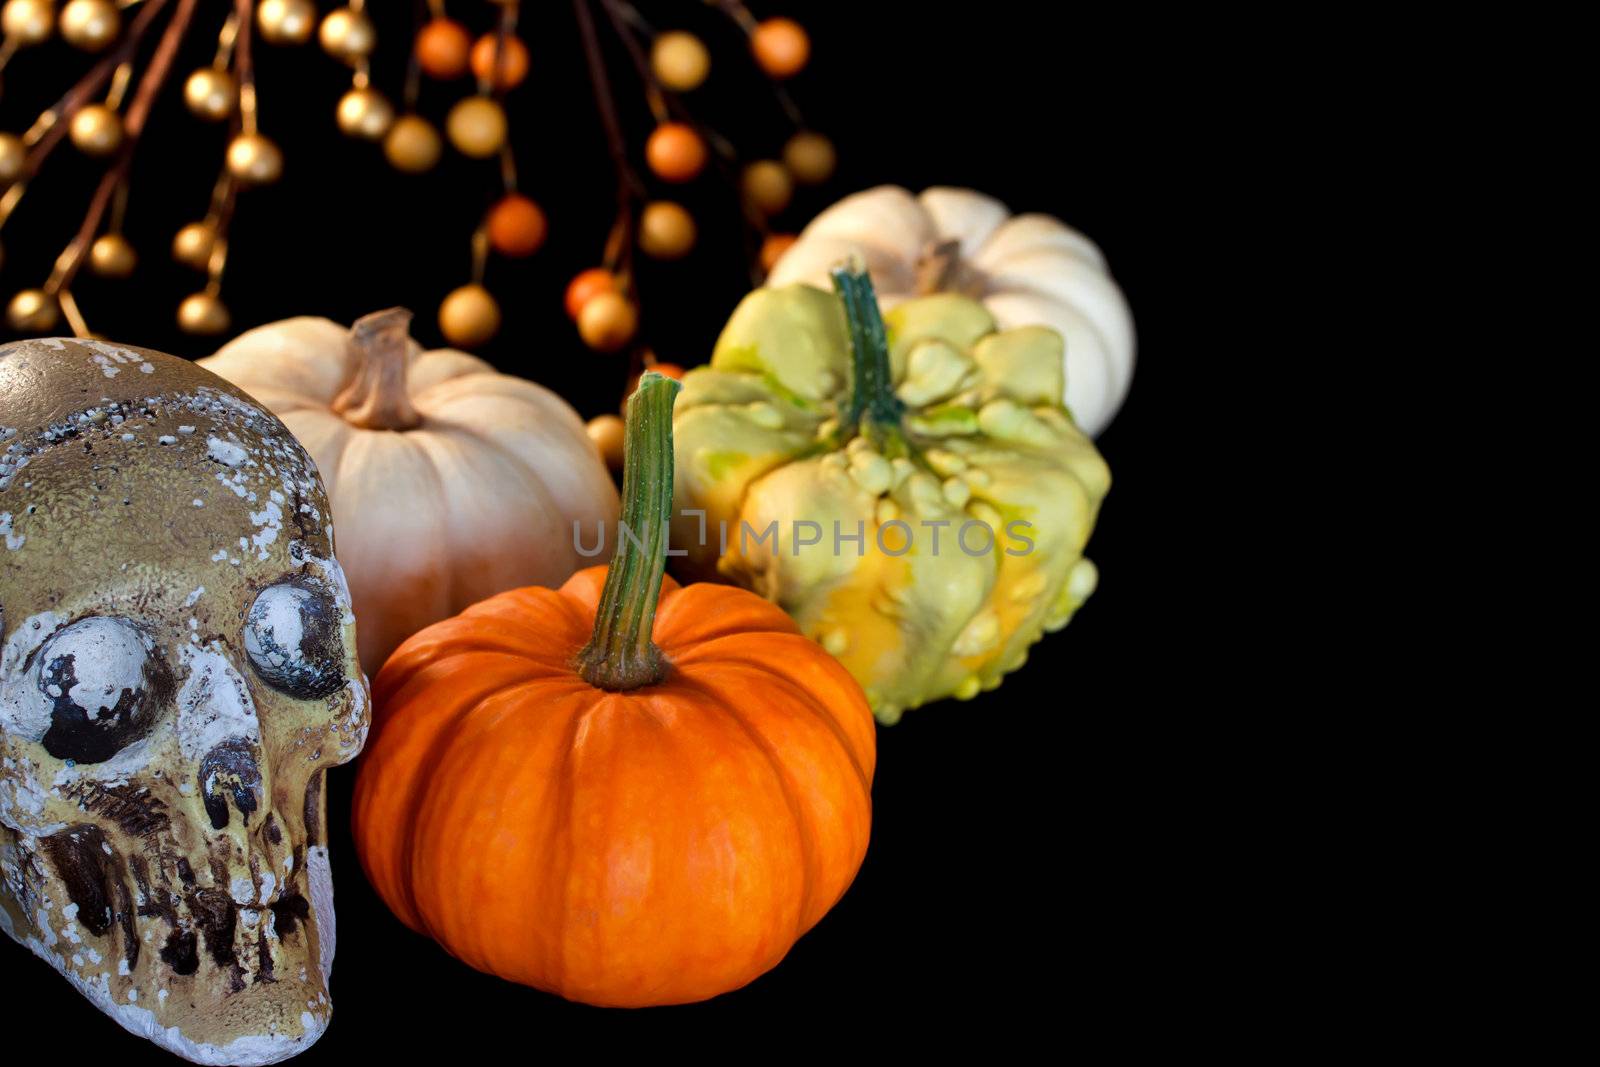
[[449, 482], [1028, 270]]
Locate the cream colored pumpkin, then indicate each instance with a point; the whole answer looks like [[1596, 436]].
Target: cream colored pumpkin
[[449, 481], [1028, 270]]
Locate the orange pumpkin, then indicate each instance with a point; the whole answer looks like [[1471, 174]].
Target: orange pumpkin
[[651, 817]]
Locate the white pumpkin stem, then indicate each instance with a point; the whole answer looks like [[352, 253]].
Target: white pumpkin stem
[[621, 655], [375, 397], [937, 266]]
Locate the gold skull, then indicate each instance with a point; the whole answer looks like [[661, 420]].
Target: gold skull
[[178, 670]]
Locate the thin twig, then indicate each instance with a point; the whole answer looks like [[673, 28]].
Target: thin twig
[[155, 76], [619, 245], [754, 224], [244, 68], [413, 84], [55, 119]]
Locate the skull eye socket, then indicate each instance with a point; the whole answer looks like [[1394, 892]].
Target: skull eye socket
[[104, 681], [292, 634]]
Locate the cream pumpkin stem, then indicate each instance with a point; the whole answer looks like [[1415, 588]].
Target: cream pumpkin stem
[[937, 267], [621, 655], [375, 397], [871, 385]]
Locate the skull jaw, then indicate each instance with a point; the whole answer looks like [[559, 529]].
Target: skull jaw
[[204, 1017]]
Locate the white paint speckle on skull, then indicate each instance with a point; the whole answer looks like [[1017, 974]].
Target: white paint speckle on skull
[[227, 453], [14, 541]]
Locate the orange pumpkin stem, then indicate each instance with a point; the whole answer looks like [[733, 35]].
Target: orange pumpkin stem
[[375, 397], [621, 653]]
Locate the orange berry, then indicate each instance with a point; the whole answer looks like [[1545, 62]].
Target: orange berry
[[513, 63], [586, 286], [516, 226], [773, 248], [781, 47], [442, 47], [675, 152]]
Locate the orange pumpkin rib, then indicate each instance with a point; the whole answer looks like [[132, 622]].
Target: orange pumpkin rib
[[686, 881], [703, 612], [414, 722], [792, 793], [811, 671], [474, 848], [521, 622], [825, 778]]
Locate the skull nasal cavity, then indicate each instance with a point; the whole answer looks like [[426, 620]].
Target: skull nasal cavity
[[230, 777]]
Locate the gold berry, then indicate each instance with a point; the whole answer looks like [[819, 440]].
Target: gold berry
[[347, 34], [767, 186], [32, 311], [111, 256], [810, 158], [607, 322], [680, 61], [413, 144], [254, 159], [365, 113], [211, 94], [13, 156], [607, 432], [90, 25], [469, 316], [477, 127], [96, 130], [28, 22], [666, 230], [193, 244], [286, 21], [203, 313]]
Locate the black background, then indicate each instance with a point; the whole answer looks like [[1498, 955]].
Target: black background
[[1024, 868]]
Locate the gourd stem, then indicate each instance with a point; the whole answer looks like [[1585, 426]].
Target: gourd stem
[[620, 654], [375, 397], [871, 386]]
